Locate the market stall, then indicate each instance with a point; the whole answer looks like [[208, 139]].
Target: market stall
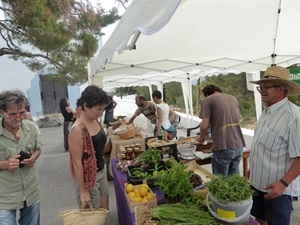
[[125, 216], [202, 154]]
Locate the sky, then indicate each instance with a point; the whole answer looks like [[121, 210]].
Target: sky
[[15, 75]]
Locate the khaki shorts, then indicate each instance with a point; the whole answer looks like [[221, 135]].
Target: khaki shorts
[[99, 190]]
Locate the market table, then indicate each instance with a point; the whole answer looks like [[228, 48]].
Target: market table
[[125, 217], [116, 142]]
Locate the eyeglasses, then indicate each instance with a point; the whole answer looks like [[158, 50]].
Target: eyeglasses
[[16, 115], [265, 88]]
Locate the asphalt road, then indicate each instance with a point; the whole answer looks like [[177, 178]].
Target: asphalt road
[[57, 189]]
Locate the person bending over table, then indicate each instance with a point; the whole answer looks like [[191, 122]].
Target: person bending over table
[[147, 108], [221, 113]]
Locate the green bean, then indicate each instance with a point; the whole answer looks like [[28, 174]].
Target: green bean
[[169, 214]]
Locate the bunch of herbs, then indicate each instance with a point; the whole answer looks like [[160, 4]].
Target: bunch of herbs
[[150, 155], [234, 188], [175, 182]]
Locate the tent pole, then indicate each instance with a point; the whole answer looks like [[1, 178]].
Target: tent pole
[[198, 95], [151, 91], [186, 104], [189, 85]]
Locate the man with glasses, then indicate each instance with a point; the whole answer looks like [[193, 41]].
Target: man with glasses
[[275, 151], [19, 149]]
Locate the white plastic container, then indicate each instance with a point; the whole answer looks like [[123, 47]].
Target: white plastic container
[[237, 213], [186, 149]]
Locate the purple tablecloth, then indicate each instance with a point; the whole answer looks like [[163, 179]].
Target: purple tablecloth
[[125, 217]]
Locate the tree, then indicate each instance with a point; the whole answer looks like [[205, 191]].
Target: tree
[[62, 33]]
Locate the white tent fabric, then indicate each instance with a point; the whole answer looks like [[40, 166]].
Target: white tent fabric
[[197, 38]]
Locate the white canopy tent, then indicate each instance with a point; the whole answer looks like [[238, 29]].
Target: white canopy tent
[[197, 38]]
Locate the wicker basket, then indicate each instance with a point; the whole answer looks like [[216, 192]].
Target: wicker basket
[[128, 133], [85, 216]]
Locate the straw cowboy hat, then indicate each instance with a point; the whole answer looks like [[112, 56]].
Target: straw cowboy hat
[[281, 75]]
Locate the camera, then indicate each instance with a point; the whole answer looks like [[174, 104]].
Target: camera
[[24, 155]]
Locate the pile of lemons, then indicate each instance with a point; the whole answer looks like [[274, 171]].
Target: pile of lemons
[[139, 193]]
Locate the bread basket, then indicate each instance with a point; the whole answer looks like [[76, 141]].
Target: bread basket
[[129, 132]]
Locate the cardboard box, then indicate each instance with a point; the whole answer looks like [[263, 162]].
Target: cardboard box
[[152, 203], [205, 175]]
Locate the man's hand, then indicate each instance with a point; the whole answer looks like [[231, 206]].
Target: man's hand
[[12, 163], [201, 139], [274, 190], [29, 162]]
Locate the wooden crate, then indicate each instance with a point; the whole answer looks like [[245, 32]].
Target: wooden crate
[[206, 175], [205, 148], [152, 203]]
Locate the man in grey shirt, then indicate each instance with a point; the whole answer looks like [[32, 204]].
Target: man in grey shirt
[[221, 113]]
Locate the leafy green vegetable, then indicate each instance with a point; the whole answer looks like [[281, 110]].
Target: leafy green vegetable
[[140, 173], [175, 182], [230, 188], [150, 155]]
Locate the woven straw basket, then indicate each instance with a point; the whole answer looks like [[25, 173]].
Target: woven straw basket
[[85, 216], [129, 133]]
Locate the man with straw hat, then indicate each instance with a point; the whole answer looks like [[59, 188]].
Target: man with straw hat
[[275, 152]]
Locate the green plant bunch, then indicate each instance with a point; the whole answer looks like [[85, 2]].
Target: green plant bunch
[[234, 188], [175, 182], [150, 155]]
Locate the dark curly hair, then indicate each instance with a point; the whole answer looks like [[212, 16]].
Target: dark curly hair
[[210, 89], [92, 96]]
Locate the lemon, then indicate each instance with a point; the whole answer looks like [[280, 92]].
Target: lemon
[[145, 199], [144, 186], [150, 196], [129, 188], [131, 194], [143, 191], [137, 199], [136, 190]]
